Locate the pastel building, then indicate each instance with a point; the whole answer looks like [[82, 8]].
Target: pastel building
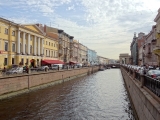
[[20, 44], [156, 49], [92, 57], [82, 54], [150, 43]]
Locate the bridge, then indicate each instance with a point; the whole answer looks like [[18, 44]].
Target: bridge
[[114, 65]]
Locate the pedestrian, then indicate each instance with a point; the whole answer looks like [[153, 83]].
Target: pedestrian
[[4, 70], [58, 67]]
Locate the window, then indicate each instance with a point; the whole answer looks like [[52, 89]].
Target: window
[[6, 46], [13, 47], [52, 44], [49, 43], [12, 61], [46, 52], [49, 52], [0, 29], [46, 42], [6, 31], [5, 61], [52, 54], [13, 33]]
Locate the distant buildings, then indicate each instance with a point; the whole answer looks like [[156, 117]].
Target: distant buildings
[[102, 60], [135, 47]]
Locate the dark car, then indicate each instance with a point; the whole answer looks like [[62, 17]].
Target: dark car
[[154, 74]]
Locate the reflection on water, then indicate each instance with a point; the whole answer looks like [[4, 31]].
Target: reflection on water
[[100, 96]]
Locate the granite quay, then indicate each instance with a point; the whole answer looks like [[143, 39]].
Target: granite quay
[[21, 83], [144, 93]]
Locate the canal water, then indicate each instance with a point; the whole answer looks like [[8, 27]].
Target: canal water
[[100, 96]]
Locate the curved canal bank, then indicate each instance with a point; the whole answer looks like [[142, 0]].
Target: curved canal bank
[[99, 96], [19, 84]]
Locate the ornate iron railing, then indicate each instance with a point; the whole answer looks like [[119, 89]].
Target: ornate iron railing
[[137, 76], [152, 84]]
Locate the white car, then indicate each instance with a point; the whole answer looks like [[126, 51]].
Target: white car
[[43, 68], [79, 65], [15, 70], [55, 66]]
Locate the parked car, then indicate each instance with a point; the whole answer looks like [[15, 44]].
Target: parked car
[[42, 68], [15, 70], [79, 65], [154, 74], [14, 66], [55, 66]]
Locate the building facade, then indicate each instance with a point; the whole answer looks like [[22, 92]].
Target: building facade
[[92, 57], [82, 54], [20, 44], [150, 43], [137, 42], [134, 50], [64, 43], [156, 49], [124, 58], [102, 60], [74, 52]]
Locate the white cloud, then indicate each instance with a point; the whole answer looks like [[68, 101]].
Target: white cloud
[[71, 7]]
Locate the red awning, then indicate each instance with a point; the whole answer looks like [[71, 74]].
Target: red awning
[[52, 62]]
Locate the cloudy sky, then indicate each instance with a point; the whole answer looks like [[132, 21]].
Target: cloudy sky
[[106, 26]]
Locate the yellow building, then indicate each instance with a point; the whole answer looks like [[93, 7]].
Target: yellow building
[[64, 43], [25, 44], [156, 50]]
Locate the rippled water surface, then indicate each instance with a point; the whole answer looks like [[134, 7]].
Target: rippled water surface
[[100, 96]]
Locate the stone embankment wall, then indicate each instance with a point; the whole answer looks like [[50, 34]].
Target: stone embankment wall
[[18, 84], [146, 104]]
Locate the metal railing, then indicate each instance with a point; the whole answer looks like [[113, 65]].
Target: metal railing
[[137, 76], [152, 84]]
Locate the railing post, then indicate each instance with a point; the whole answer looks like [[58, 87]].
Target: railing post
[[134, 74], [142, 81], [129, 72]]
